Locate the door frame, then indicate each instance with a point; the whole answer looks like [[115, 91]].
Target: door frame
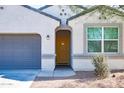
[[67, 28]]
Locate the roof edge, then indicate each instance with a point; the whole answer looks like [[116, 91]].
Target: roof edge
[[40, 12], [44, 7]]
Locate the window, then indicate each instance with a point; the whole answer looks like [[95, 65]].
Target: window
[[102, 39]]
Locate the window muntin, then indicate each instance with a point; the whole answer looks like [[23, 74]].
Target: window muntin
[[102, 39]]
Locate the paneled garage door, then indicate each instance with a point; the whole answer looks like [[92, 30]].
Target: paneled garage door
[[20, 51]]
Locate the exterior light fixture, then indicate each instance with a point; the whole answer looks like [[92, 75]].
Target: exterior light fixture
[[1, 7], [48, 37]]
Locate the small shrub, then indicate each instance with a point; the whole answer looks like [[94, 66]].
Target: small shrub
[[101, 66]]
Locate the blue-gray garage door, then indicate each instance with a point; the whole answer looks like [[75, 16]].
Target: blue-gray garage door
[[20, 51]]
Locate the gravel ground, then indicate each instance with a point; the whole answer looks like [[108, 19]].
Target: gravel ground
[[81, 80]]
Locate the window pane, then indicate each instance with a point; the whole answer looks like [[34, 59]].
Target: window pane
[[94, 33], [110, 46], [94, 46], [110, 33]]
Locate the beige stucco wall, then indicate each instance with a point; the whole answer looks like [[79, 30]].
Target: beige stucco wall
[[79, 42], [86, 64], [18, 19]]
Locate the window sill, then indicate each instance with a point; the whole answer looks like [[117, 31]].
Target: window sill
[[88, 56]]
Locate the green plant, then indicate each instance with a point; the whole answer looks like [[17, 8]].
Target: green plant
[[101, 66]]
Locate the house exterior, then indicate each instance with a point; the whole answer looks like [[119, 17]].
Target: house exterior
[[40, 39]]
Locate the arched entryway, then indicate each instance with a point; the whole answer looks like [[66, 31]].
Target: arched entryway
[[63, 47]]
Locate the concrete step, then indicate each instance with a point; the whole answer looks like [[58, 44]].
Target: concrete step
[[58, 72]]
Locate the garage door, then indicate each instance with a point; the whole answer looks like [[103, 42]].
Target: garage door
[[20, 51]]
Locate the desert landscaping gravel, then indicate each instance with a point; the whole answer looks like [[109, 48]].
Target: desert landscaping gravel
[[81, 80]]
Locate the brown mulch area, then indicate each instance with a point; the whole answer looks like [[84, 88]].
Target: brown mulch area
[[81, 80]]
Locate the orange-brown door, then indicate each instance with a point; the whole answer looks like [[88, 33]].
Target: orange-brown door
[[63, 47]]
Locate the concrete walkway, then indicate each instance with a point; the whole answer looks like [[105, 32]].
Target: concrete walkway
[[58, 72], [17, 78]]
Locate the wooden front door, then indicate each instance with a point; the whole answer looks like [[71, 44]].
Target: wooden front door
[[63, 47]]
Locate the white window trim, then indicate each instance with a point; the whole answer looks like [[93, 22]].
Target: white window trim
[[102, 40]]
